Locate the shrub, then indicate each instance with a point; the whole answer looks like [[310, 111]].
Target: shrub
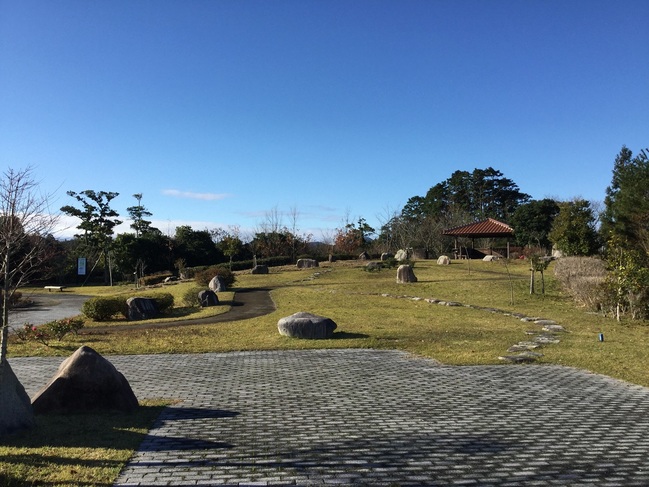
[[154, 279], [583, 278], [103, 308], [59, 328], [54, 329], [190, 296], [204, 277]]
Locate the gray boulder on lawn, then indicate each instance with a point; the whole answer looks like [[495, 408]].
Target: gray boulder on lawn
[[85, 381], [208, 298], [141, 308], [401, 255], [259, 269], [306, 325], [15, 407], [405, 274], [306, 263], [217, 284]]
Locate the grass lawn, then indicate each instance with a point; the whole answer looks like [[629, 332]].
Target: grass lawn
[[373, 311], [75, 449]]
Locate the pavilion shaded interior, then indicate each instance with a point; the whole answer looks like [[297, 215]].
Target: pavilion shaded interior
[[489, 228]]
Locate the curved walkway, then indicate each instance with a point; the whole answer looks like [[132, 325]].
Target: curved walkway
[[247, 303], [380, 418]]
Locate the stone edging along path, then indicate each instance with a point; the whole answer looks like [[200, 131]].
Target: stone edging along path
[[521, 352], [546, 334]]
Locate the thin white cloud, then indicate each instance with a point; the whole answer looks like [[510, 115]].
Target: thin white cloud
[[195, 196]]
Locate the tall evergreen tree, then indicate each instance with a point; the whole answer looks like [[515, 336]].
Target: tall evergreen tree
[[626, 213], [532, 222], [483, 193], [98, 221], [138, 213], [573, 231]]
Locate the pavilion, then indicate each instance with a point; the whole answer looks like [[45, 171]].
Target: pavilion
[[488, 228]]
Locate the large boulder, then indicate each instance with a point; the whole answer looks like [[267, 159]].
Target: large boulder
[[15, 407], [259, 269], [443, 260], [401, 255], [306, 263], [217, 284], [306, 325], [85, 381], [364, 256], [405, 274], [208, 298], [373, 266], [141, 308]]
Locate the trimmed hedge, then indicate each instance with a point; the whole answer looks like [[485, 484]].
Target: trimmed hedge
[[103, 308]]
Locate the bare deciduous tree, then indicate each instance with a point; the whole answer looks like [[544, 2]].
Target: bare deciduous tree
[[25, 222]]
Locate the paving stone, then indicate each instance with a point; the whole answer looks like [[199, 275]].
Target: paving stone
[[379, 418]]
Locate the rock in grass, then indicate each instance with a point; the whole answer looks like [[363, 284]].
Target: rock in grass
[[306, 325], [217, 284], [85, 381], [141, 308], [15, 407], [207, 298], [405, 274], [521, 357]]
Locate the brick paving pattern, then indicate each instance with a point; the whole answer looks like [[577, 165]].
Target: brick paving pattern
[[384, 418]]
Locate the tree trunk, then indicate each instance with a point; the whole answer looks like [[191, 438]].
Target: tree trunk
[[532, 280]]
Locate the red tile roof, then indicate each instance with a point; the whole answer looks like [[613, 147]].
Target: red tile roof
[[484, 229]]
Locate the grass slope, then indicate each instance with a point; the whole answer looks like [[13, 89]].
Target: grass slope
[[371, 310]]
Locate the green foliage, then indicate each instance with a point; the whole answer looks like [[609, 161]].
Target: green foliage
[[149, 253], [573, 231], [155, 278], [97, 218], [204, 276], [532, 222], [196, 247], [627, 282], [137, 214], [56, 329], [190, 296], [483, 193], [103, 308], [626, 214]]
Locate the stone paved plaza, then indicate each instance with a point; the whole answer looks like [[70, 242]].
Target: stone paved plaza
[[385, 418]]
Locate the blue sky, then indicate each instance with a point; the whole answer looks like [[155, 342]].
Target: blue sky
[[220, 112]]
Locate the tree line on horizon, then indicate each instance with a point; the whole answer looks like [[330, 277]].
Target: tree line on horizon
[[465, 197]]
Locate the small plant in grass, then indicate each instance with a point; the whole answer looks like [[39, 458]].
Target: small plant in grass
[[190, 296], [31, 332], [56, 329]]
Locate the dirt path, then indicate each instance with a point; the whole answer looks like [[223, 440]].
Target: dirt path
[[247, 303]]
